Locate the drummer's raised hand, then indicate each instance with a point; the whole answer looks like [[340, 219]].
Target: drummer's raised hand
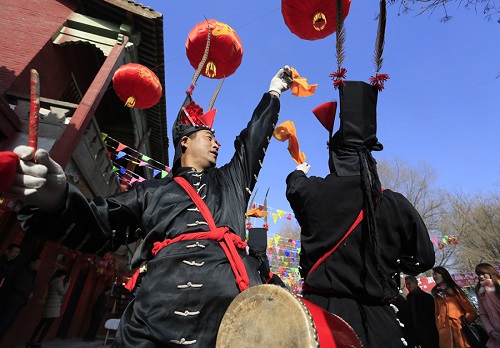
[[281, 81], [42, 183], [304, 167]]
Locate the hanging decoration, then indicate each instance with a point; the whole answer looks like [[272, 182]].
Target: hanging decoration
[[312, 19], [225, 53], [137, 86], [125, 175], [445, 241]]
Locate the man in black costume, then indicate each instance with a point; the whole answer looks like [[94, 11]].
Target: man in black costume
[[422, 313], [192, 223], [355, 236]]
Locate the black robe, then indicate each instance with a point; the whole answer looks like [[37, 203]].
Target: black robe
[[424, 318], [347, 282], [188, 285]]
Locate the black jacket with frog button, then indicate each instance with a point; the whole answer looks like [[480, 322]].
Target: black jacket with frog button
[[188, 285]]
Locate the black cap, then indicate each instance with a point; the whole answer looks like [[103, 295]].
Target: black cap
[[190, 119]]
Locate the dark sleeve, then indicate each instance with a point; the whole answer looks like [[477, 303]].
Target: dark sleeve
[[295, 191], [86, 225], [428, 307], [251, 144], [417, 254]]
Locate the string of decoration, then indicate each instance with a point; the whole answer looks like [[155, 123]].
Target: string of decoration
[[139, 157]]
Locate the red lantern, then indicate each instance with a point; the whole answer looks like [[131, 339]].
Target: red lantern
[[137, 86], [312, 19], [225, 51]]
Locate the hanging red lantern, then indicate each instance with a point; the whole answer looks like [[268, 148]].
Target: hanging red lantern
[[312, 19], [137, 86], [225, 49]]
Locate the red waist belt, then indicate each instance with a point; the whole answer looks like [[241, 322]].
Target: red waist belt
[[227, 240]]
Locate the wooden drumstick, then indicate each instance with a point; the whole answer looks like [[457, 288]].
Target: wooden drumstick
[[34, 110]]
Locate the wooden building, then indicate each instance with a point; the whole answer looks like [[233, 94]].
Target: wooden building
[[76, 46]]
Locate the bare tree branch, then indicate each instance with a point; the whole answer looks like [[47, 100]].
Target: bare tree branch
[[488, 8]]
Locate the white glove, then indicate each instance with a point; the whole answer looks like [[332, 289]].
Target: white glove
[[282, 80], [304, 167], [43, 183]]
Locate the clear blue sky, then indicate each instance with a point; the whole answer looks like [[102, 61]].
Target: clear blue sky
[[441, 104]]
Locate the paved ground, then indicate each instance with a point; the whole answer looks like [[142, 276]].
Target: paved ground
[[74, 343]]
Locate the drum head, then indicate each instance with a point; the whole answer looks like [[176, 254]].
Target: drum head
[[266, 316]]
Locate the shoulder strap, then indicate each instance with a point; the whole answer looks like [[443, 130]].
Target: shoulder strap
[[200, 204], [360, 217], [356, 222]]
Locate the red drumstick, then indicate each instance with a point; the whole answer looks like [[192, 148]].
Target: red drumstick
[[34, 109]]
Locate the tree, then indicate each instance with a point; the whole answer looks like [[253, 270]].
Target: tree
[[475, 219], [464, 228], [416, 184], [487, 7], [289, 230]]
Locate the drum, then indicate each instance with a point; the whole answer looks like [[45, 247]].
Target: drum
[[271, 316]]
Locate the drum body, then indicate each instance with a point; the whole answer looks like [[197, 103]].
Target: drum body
[[271, 316]]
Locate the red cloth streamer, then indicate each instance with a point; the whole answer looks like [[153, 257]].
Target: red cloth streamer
[[378, 81], [8, 166]]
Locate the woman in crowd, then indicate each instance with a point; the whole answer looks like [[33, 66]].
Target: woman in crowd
[[488, 297], [52, 308], [451, 305]]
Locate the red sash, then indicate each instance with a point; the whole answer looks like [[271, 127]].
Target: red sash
[[356, 222], [227, 240]]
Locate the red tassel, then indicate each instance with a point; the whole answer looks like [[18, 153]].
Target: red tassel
[[190, 90], [337, 77], [131, 282], [378, 81], [266, 226]]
